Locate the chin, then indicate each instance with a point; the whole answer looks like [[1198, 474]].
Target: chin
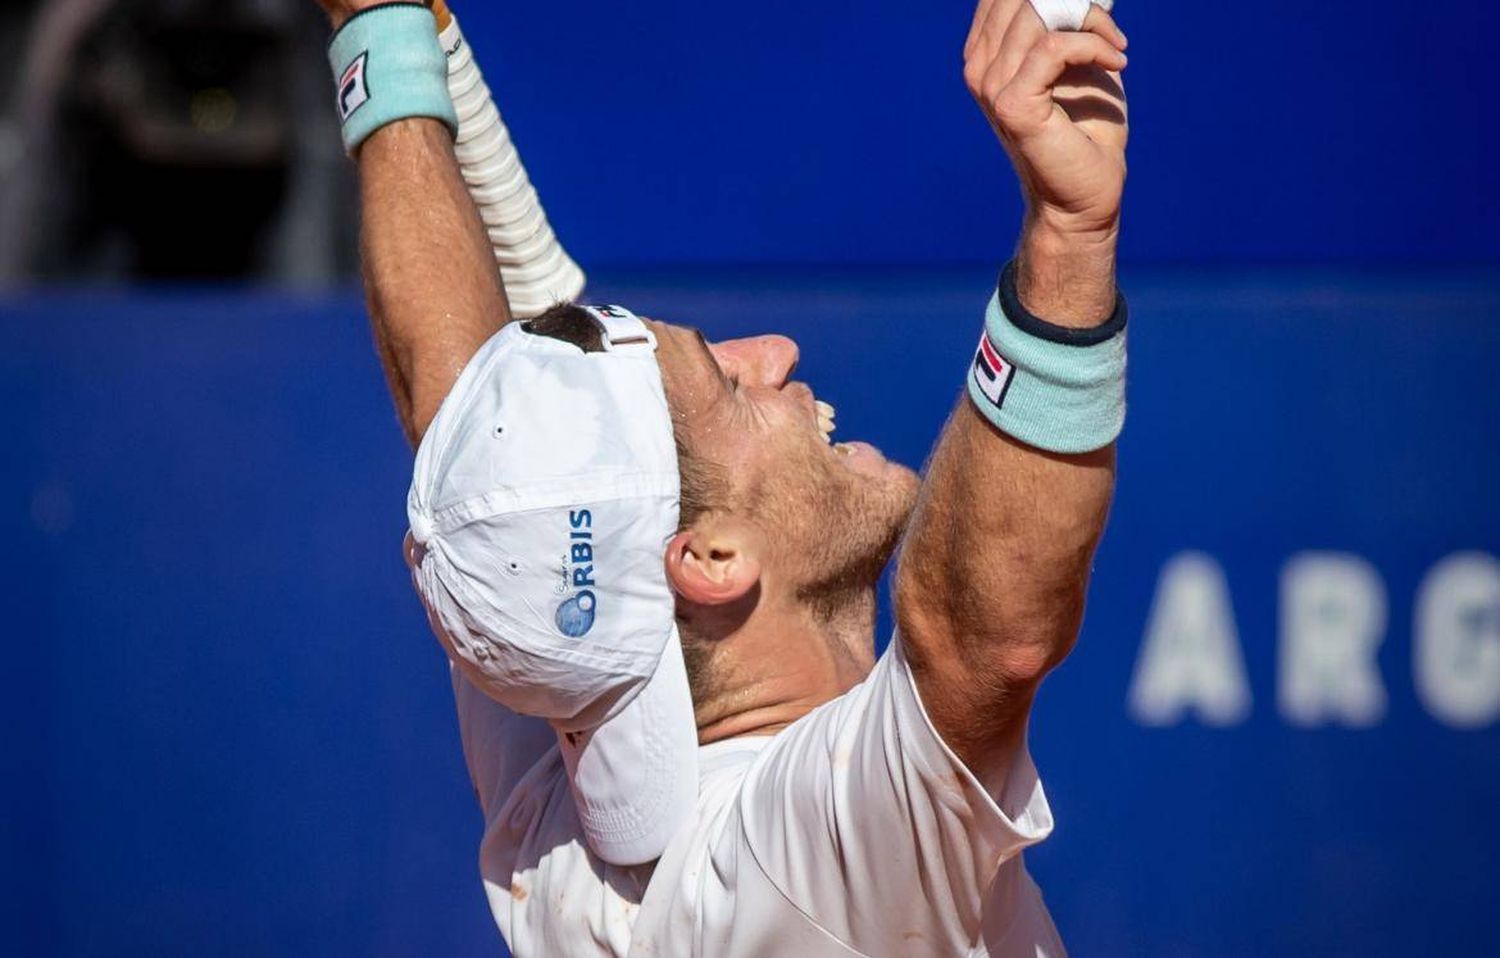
[[882, 504], [898, 484], [838, 511]]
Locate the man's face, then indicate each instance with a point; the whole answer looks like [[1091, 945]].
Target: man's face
[[830, 514]]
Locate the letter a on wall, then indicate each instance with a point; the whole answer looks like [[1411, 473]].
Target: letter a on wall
[[1190, 660]]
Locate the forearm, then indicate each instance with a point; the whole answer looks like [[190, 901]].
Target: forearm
[[991, 585], [434, 293]]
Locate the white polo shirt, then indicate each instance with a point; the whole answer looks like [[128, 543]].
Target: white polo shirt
[[855, 831]]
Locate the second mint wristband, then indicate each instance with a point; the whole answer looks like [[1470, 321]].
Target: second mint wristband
[[388, 66], [1058, 389]]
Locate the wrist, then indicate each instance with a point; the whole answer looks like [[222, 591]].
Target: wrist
[[1067, 277], [341, 11]]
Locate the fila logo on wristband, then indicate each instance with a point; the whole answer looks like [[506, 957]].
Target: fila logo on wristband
[[992, 374], [353, 93], [387, 66]]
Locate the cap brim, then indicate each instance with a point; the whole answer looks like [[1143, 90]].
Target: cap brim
[[635, 777]]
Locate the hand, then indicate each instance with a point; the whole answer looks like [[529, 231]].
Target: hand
[[340, 10], [1057, 104]]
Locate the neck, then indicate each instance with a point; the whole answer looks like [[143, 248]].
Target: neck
[[776, 663]]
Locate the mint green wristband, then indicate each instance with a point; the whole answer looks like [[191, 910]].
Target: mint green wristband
[[388, 66], [1058, 389]]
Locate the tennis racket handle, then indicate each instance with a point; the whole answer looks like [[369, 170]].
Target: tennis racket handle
[[537, 270]]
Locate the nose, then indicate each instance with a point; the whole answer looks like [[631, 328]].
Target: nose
[[758, 360]]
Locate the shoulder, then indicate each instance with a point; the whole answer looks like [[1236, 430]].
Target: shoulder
[[865, 786]]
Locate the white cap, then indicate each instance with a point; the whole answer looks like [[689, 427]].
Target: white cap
[[544, 495]]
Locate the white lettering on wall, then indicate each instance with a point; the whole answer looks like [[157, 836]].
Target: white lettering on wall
[[1456, 640], [1191, 659], [1333, 620]]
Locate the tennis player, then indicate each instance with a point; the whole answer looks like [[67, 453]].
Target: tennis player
[[655, 574]]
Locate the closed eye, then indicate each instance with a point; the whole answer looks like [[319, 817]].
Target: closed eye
[[731, 383]]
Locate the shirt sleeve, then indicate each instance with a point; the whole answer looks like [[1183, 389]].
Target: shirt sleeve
[[869, 825], [500, 746]]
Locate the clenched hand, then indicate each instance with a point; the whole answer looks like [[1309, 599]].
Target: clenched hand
[[1057, 103]]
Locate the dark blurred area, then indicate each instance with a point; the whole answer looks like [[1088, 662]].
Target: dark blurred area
[[153, 139]]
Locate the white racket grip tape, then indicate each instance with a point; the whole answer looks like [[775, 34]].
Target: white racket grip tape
[[1067, 14], [537, 271]]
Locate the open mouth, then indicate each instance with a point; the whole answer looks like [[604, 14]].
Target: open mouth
[[826, 413]]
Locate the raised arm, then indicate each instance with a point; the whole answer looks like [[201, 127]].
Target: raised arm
[[434, 291], [990, 588]]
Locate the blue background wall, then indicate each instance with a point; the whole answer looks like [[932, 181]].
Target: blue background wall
[[231, 733], [840, 131]]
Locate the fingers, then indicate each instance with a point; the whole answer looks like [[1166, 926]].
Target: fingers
[[985, 37], [1005, 32], [1025, 103], [1025, 29], [1049, 57], [1099, 21], [976, 28]]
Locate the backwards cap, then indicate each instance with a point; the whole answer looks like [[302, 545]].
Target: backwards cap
[[544, 495]]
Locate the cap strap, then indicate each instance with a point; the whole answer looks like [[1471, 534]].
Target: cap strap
[[623, 330]]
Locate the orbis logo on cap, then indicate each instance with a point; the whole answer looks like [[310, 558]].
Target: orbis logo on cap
[[575, 616]]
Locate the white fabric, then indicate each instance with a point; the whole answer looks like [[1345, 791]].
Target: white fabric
[[856, 831], [543, 496], [621, 328], [1067, 14], [538, 272]]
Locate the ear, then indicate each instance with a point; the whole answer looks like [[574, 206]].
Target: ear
[[710, 567]]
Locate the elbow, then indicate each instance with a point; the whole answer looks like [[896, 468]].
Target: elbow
[[1026, 661], [985, 631], [1027, 639]]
